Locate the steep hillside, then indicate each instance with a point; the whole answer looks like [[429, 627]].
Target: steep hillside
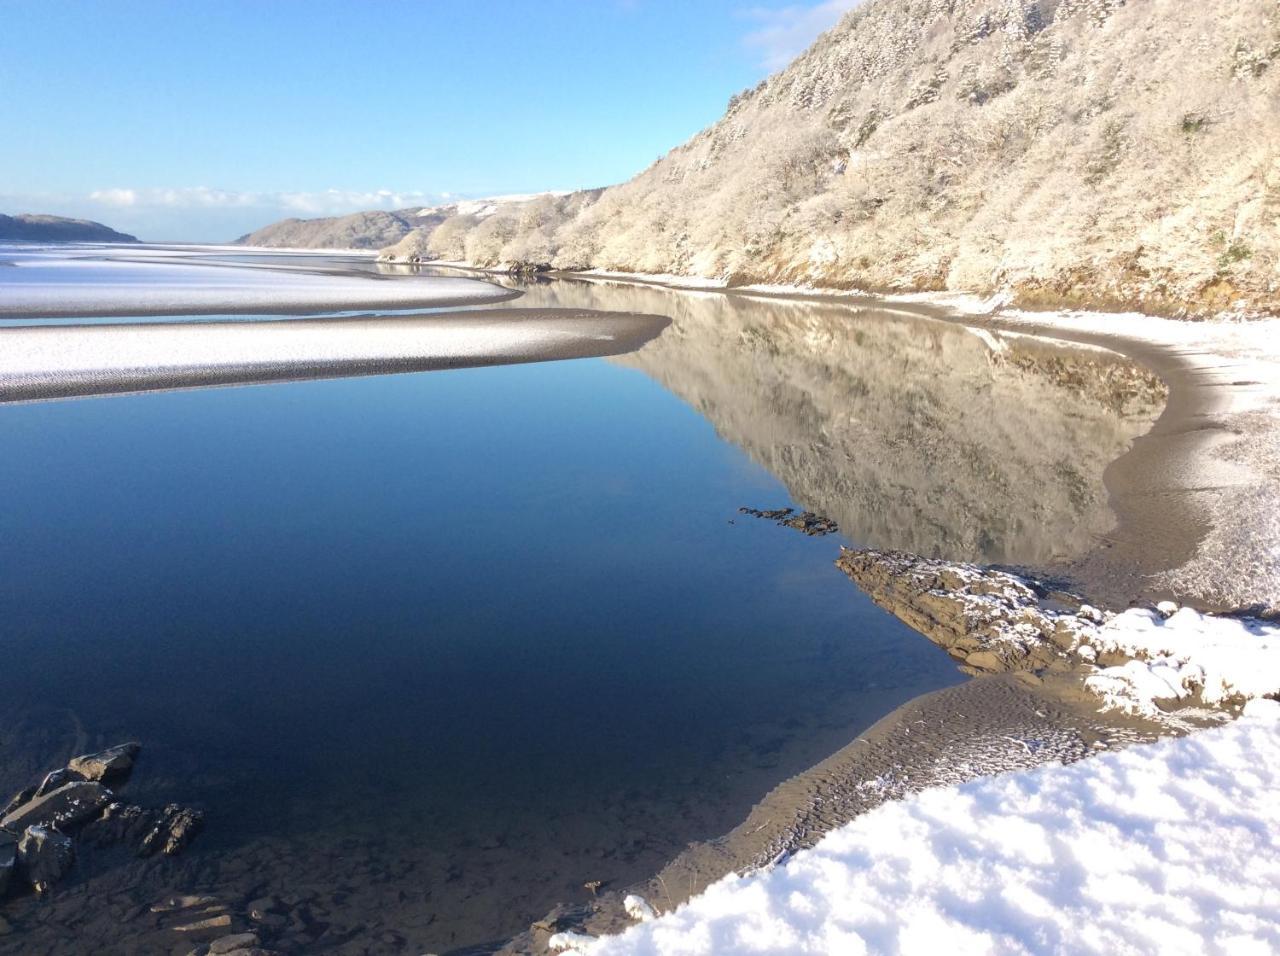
[[32, 227], [1084, 152]]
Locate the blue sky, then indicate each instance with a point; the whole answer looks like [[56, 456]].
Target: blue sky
[[203, 120]]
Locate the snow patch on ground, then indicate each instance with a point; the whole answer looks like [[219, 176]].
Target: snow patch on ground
[[1221, 658], [1172, 847]]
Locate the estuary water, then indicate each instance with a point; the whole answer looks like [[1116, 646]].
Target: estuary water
[[434, 650]]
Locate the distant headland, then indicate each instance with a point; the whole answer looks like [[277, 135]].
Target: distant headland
[[40, 228]]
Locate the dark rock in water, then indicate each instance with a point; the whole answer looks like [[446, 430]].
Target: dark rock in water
[[44, 856], [120, 823], [165, 831], [812, 524], [54, 780], [806, 522], [106, 763], [67, 806], [175, 828], [8, 859], [17, 800]]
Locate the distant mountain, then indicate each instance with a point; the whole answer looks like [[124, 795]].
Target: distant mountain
[[39, 228], [361, 230], [372, 230], [1090, 153]]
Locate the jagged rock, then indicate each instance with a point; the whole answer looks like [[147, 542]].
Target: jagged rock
[[992, 620], [806, 521], [111, 762], [44, 856], [67, 806], [52, 781], [17, 800], [8, 859], [174, 830], [119, 823]]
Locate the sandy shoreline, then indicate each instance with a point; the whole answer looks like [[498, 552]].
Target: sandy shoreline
[[1164, 511]]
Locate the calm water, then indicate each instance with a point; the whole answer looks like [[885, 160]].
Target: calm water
[[433, 650]]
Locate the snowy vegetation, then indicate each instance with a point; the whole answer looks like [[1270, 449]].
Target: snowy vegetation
[[1088, 152]]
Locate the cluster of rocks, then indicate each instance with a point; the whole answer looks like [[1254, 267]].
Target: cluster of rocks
[[806, 522], [225, 933], [990, 621], [36, 824]]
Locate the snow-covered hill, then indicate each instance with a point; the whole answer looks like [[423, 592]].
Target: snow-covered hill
[[1069, 152]]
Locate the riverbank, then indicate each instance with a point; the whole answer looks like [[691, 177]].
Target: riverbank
[[1192, 523], [1196, 499]]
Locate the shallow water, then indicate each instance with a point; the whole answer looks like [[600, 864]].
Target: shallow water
[[433, 650]]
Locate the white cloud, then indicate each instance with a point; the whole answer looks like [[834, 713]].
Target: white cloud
[[201, 213], [783, 33], [327, 202]]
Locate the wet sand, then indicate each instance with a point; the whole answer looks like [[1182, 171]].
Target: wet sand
[[987, 725]]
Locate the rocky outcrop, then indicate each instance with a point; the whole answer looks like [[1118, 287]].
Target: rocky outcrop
[[806, 522], [44, 856], [990, 621], [37, 823], [174, 828], [67, 806], [112, 762], [31, 227], [8, 860]]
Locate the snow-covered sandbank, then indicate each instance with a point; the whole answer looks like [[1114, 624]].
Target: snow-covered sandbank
[[1172, 847], [59, 361], [44, 282]]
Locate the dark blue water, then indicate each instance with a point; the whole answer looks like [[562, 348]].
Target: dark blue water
[[511, 615], [433, 650]]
